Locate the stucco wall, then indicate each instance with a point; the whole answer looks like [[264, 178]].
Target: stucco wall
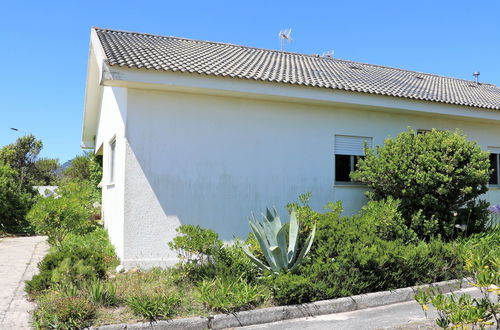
[[112, 120], [212, 160]]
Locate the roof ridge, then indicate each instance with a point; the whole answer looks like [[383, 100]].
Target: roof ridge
[[290, 53]]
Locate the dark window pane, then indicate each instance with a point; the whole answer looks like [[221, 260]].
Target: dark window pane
[[356, 158], [494, 167], [342, 168]]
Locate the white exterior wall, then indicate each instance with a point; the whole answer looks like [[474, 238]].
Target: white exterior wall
[[212, 160], [112, 120]]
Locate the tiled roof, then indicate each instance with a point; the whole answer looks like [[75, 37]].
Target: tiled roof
[[137, 50]]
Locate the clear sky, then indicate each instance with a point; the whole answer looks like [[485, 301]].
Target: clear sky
[[44, 45]]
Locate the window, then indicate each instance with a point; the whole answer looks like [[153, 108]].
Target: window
[[348, 150], [112, 161], [423, 131], [495, 166]]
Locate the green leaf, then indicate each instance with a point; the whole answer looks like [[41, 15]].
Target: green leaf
[[293, 233], [259, 263], [305, 249]]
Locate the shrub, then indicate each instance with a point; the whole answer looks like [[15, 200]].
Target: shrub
[[153, 307], [203, 255], [78, 259], [483, 264], [434, 175], [14, 202], [68, 212], [360, 254], [59, 311], [227, 296]]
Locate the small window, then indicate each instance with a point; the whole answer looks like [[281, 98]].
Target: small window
[[112, 160], [495, 168], [348, 151]]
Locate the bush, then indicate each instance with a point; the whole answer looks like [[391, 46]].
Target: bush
[[154, 307], [77, 260], [435, 176], [203, 255], [369, 252], [223, 295], [59, 311], [14, 202], [67, 212]]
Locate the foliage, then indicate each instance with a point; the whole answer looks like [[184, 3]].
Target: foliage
[[227, 296], [359, 254], [79, 259], [47, 172], [67, 212], [22, 156], [195, 244], [483, 264], [57, 310], [154, 307], [86, 167], [14, 202], [281, 256], [203, 255], [102, 293], [435, 176]]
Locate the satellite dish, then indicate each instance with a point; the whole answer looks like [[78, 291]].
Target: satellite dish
[[285, 36]]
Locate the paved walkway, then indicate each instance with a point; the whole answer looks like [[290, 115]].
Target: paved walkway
[[407, 315], [19, 257]]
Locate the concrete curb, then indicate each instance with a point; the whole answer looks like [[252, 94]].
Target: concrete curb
[[281, 313]]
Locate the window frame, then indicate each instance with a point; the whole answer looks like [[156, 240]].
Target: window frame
[[112, 161], [352, 161], [497, 155]]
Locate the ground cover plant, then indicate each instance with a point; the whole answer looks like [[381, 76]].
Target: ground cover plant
[[482, 257]]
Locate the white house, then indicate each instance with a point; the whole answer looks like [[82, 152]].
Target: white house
[[205, 133]]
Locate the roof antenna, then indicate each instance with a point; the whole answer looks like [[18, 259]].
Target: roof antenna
[[329, 54], [285, 35], [476, 76]]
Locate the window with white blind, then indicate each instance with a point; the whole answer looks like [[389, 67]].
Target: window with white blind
[[495, 165], [348, 150]]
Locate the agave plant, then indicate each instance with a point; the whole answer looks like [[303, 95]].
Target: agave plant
[[272, 238]]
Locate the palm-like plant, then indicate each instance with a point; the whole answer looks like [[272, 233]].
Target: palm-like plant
[[272, 238]]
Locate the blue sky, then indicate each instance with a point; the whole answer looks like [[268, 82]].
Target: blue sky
[[44, 45]]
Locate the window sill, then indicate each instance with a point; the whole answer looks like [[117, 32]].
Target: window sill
[[109, 185], [494, 187], [350, 185]]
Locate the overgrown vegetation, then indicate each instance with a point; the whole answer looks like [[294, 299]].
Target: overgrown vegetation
[[414, 230]]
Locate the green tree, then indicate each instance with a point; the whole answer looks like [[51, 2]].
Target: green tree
[[46, 171], [86, 167], [14, 203], [437, 176], [22, 156]]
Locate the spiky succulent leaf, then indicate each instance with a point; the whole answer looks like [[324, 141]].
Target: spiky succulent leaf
[[281, 238], [293, 233], [255, 260], [278, 257], [264, 245], [305, 249]]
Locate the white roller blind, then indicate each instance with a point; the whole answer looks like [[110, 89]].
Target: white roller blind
[[494, 150], [351, 145]]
